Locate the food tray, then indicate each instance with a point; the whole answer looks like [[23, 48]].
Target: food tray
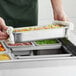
[[21, 53], [47, 53], [52, 43], [40, 32], [38, 47], [61, 51], [6, 56], [19, 45], [3, 48]]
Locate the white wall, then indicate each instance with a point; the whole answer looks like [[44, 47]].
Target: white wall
[[70, 9], [45, 11], [45, 14]]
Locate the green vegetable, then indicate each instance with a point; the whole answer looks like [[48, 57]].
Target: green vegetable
[[41, 42]]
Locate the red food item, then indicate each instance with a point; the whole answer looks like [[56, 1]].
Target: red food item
[[0, 45], [20, 44], [16, 44], [2, 49], [27, 43]]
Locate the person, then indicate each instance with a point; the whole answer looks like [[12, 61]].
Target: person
[[21, 13]]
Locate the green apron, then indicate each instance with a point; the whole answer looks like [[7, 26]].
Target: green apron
[[19, 13]]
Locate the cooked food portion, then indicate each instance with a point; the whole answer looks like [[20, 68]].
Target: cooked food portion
[[37, 28], [4, 57], [42, 42], [2, 48], [21, 44]]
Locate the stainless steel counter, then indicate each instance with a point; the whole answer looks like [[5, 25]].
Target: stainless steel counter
[[38, 66]]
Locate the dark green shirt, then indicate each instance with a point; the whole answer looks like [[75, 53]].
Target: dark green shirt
[[19, 13]]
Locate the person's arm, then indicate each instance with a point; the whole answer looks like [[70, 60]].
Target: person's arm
[[58, 10], [3, 28]]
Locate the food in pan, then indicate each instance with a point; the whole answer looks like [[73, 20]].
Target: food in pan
[[1, 47], [20, 44], [42, 42], [38, 28], [4, 57]]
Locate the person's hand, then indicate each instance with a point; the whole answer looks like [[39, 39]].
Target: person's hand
[[3, 28], [60, 16]]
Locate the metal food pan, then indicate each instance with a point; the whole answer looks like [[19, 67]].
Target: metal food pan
[[39, 47], [20, 45], [23, 56], [7, 56], [51, 53], [55, 45], [5, 48], [11, 56], [35, 47], [40, 34], [21, 53], [60, 52]]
